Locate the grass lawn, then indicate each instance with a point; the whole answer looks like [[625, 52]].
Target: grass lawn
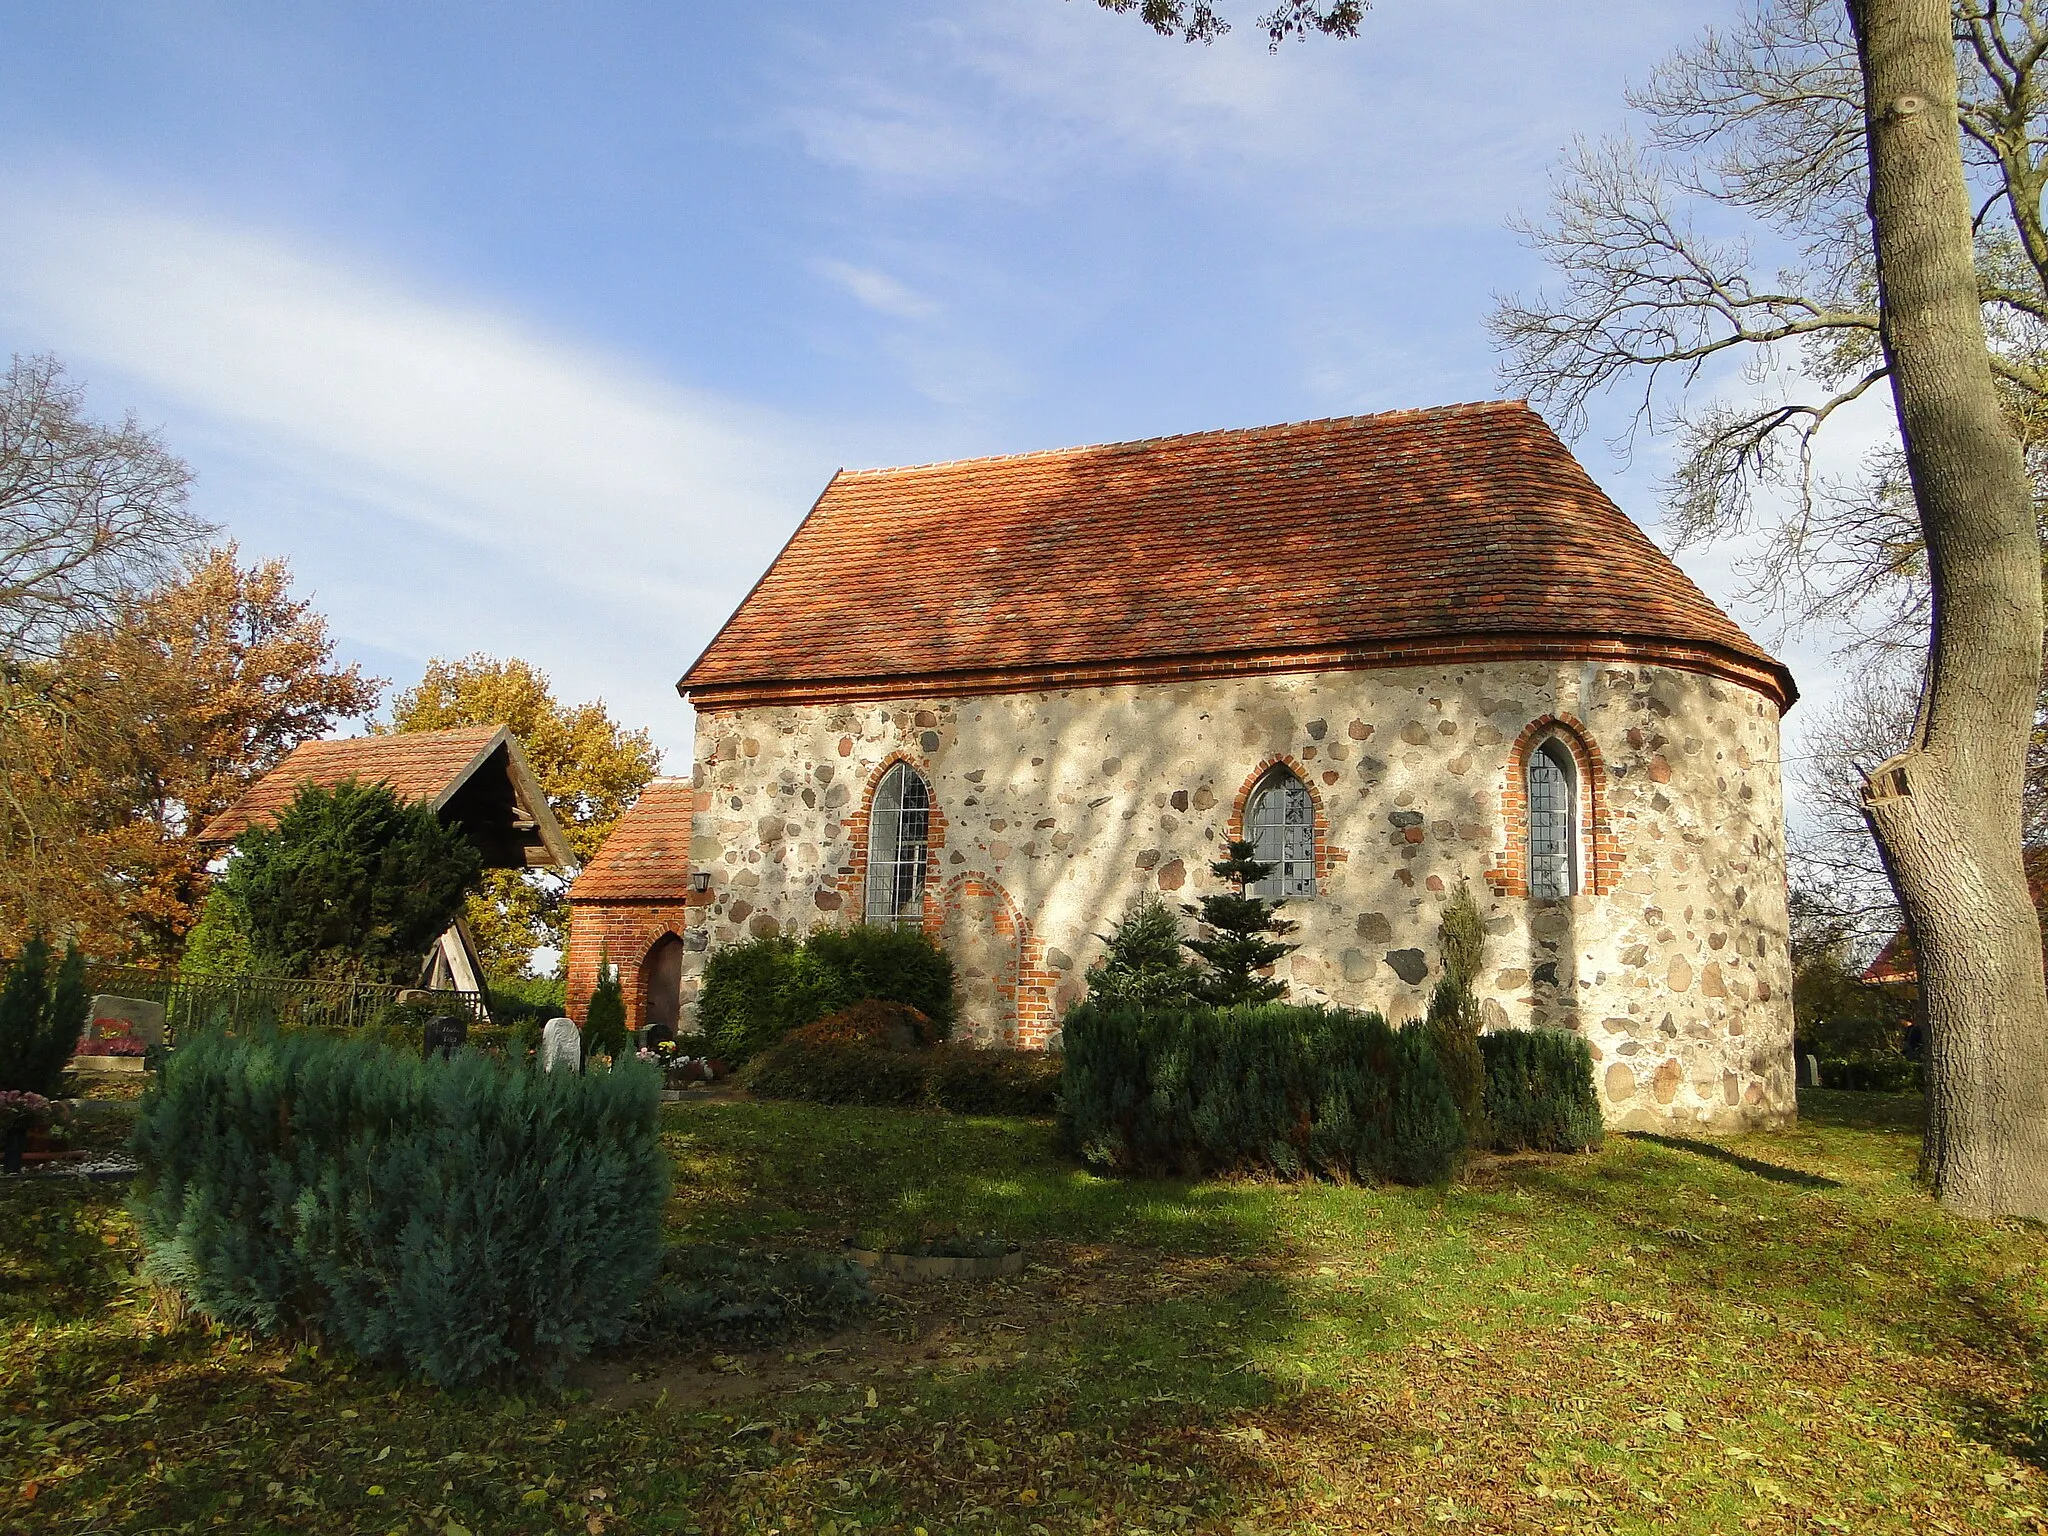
[[1773, 1333]]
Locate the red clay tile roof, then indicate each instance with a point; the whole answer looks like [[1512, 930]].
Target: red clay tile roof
[[647, 856], [1361, 540], [418, 765], [1897, 962]]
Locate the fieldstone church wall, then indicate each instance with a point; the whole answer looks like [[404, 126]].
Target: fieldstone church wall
[[1054, 809]]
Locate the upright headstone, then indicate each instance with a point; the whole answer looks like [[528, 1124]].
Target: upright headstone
[[561, 1045], [119, 1034], [123, 1018], [1809, 1071], [444, 1035]]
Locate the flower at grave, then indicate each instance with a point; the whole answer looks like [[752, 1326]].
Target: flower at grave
[[119, 1045], [645, 1055], [665, 1049], [18, 1108]]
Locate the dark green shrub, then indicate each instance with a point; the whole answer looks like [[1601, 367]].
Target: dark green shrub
[[1288, 1090], [724, 1295], [740, 1006], [459, 1218], [824, 1072], [519, 999], [1539, 1091], [757, 991], [41, 1019], [350, 882], [604, 1021], [963, 1079], [1428, 1134], [841, 966], [971, 1081], [1144, 962], [1886, 1071]]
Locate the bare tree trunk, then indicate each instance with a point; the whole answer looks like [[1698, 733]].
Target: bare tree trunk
[[1946, 812]]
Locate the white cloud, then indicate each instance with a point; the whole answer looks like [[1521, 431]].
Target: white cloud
[[877, 290], [1017, 101], [521, 490]]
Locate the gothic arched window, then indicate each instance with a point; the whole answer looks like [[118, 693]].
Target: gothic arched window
[[1280, 822], [899, 833], [1553, 821]]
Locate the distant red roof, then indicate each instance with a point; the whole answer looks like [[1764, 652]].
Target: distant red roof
[[647, 856], [431, 767], [1896, 962], [1467, 530], [418, 765]]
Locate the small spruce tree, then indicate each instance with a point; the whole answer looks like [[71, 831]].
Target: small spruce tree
[[604, 1021], [41, 1019], [1143, 965], [1453, 1023], [1245, 936]]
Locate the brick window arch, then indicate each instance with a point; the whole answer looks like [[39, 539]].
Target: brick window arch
[[1280, 824], [1323, 856], [1554, 803], [899, 846]]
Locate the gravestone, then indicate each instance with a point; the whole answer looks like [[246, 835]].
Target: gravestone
[[561, 1045], [1809, 1071], [444, 1035], [118, 1032]]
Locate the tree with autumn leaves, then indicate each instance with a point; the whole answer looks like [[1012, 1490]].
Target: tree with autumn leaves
[[589, 766], [171, 707]]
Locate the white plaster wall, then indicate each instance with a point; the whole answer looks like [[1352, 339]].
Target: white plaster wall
[[1076, 800]]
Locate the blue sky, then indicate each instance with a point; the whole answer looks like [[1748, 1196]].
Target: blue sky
[[534, 329]]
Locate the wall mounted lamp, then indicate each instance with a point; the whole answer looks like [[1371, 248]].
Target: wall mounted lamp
[[700, 880]]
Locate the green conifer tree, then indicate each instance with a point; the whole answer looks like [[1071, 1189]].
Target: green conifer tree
[[41, 1019], [349, 883], [1143, 965], [1453, 1023], [604, 1021], [1245, 936]]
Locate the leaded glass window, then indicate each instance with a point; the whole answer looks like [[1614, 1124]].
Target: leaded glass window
[[1282, 822], [1553, 822], [899, 831]]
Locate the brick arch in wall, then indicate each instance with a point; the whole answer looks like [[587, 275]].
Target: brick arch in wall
[[659, 978], [852, 884], [1510, 874], [1004, 986], [1328, 857]]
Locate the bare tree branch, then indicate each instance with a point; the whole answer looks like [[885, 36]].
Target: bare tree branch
[[89, 514]]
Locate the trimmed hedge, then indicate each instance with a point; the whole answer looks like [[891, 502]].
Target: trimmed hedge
[[757, 991], [1292, 1091], [458, 1218], [962, 1079], [1539, 1091]]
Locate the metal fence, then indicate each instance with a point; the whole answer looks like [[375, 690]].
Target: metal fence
[[235, 1002]]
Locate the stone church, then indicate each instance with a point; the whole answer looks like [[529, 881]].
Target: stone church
[[999, 698]]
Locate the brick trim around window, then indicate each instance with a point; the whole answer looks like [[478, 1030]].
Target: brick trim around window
[[1510, 874], [852, 884], [1327, 856]]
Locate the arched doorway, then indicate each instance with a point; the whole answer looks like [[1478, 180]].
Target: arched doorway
[[661, 985]]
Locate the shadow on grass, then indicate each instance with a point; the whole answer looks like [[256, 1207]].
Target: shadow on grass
[[1720, 1154]]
